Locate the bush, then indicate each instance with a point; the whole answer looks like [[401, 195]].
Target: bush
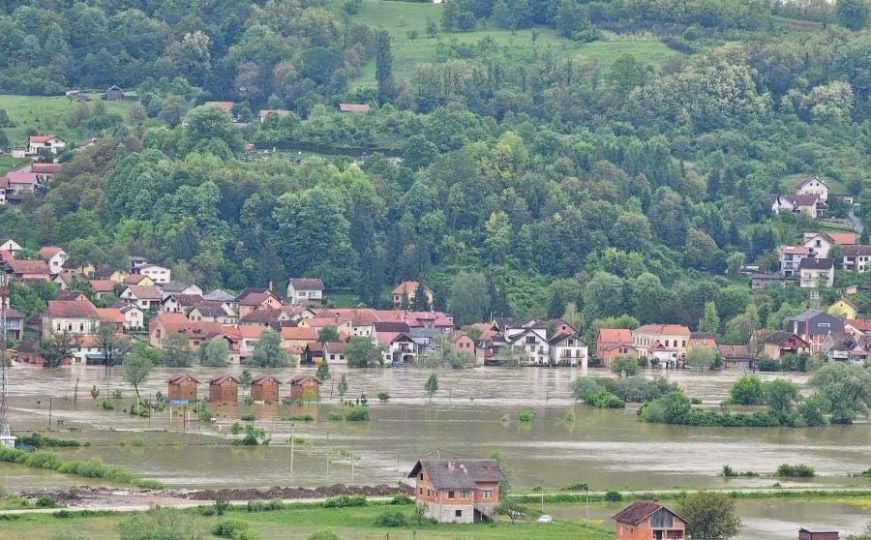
[[357, 414], [45, 502], [525, 416], [402, 498], [613, 496], [795, 471], [247, 418], [230, 528], [577, 486], [343, 501], [747, 390], [391, 519], [40, 441], [335, 415], [383, 397]]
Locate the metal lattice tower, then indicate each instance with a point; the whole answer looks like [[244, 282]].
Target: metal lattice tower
[[4, 400]]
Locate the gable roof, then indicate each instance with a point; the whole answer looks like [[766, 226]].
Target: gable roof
[[843, 238], [458, 473], [857, 250], [262, 379], [252, 296], [48, 252], [391, 326], [219, 295], [812, 263], [221, 379], [638, 511], [307, 284], [102, 285], [209, 309], [112, 315], [181, 378], [734, 352], [862, 325], [44, 168], [810, 179], [353, 107], [300, 378], [71, 309], [145, 293], [20, 266], [780, 337], [173, 286], [663, 329], [614, 335], [299, 333], [135, 279]]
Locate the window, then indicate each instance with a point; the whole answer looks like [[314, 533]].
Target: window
[[450, 494], [421, 476], [458, 513], [487, 494], [464, 494], [421, 491]]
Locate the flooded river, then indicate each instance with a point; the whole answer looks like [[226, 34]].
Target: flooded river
[[473, 414]]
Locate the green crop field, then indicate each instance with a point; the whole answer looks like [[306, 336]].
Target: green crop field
[[401, 18], [46, 115], [356, 523]]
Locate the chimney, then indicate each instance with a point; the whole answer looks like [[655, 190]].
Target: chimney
[[270, 285]]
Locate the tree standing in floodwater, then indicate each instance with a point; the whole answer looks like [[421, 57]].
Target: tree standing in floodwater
[[431, 386]]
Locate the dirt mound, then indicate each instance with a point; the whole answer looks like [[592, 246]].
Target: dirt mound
[[298, 493]]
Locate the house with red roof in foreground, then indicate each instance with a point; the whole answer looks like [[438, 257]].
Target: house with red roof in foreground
[[649, 520], [49, 143], [458, 490]]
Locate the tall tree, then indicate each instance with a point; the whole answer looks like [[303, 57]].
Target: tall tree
[[853, 14], [432, 385], [215, 353], [137, 365], [420, 302], [469, 298], [112, 345], [710, 320], [268, 352], [710, 515], [384, 67], [175, 351]]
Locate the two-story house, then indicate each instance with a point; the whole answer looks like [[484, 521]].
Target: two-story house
[[458, 490], [857, 258], [790, 258], [814, 273], [649, 520], [667, 342], [54, 257], [404, 294], [813, 186], [813, 326], [533, 341], [45, 143], [775, 345], [146, 298], [305, 290], [77, 317], [158, 274], [567, 349]]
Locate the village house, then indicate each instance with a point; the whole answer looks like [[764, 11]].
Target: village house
[[224, 389], [844, 347], [857, 259], [858, 327], [14, 324], [790, 258], [207, 311], [165, 324], [158, 274], [399, 348], [179, 303], [146, 298], [813, 186], [305, 290], [822, 243], [776, 345], [816, 273], [265, 388], [101, 287], [706, 340], [111, 274], [45, 143], [566, 349], [343, 326], [248, 336], [649, 520], [736, 357], [114, 93], [353, 107], [813, 326], [9, 245], [139, 280], [404, 294], [613, 343], [666, 342], [265, 317], [458, 490], [843, 309], [112, 317], [295, 339], [182, 389], [71, 317], [54, 257], [462, 343], [334, 351], [28, 270], [807, 204], [534, 342], [134, 318], [255, 298], [304, 387]]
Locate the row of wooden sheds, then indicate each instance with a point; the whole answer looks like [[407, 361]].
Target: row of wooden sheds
[[225, 388]]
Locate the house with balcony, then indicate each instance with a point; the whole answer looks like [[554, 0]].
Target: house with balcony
[[857, 259], [813, 273], [567, 349], [649, 520], [790, 258]]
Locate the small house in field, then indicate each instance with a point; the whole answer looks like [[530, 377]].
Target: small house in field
[[114, 93], [224, 389], [458, 490], [265, 388], [182, 389], [649, 520], [304, 387]]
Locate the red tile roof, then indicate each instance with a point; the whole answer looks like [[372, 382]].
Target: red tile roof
[[112, 315], [102, 285], [354, 107], [638, 511], [615, 335], [47, 252], [45, 168], [66, 309], [299, 333], [22, 267]]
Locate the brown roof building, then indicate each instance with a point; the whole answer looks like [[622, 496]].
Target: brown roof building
[[182, 388], [649, 520], [304, 387], [458, 490], [224, 389], [265, 388]]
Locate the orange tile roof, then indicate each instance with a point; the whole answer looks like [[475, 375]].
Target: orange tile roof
[[299, 333], [113, 315], [843, 238], [615, 335], [48, 252], [102, 285]]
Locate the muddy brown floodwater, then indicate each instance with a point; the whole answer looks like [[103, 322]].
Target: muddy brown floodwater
[[473, 414]]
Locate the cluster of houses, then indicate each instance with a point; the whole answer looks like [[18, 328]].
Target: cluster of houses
[[836, 334], [32, 179], [812, 262], [811, 197]]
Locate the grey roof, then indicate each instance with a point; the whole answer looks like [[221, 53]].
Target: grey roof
[[810, 263], [425, 332], [780, 337], [458, 473], [307, 284], [173, 287], [807, 315], [208, 309], [857, 250], [219, 295]]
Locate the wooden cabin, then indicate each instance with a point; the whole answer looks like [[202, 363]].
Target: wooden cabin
[[302, 384], [224, 389], [182, 388], [265, 388]]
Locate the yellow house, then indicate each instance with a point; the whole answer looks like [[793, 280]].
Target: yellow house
[[843, 309]]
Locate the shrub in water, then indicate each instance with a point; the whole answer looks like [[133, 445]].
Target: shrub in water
[[795, 471], [383, 396], [613, 496], [526, 416], [391, 519], [335, 415], [326, 534], [357, 414]]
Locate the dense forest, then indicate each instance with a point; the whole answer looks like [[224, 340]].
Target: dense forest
[[529, 183]]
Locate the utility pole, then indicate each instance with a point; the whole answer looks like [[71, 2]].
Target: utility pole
[[6, 438], [49, 413]]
